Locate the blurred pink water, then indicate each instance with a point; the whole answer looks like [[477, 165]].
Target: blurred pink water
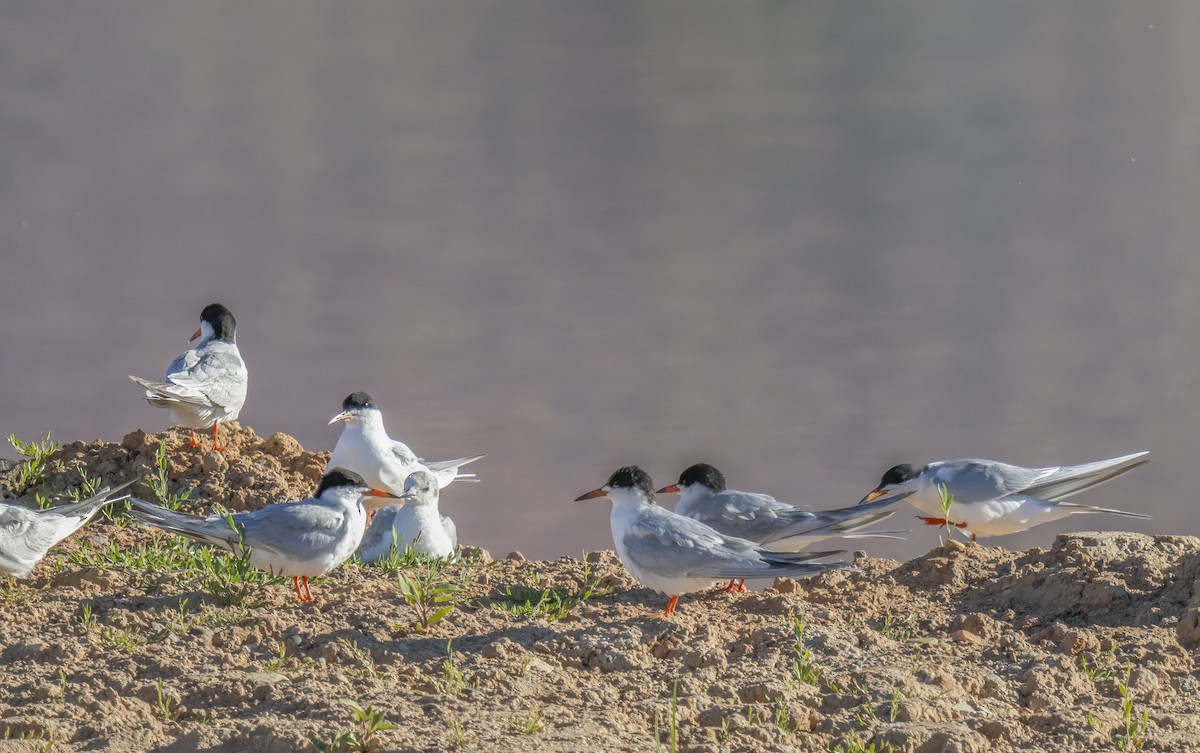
[[801, 242]]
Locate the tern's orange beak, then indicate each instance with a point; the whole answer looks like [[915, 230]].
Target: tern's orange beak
[[874, 495], [593, 494], [343, 416], [194, 337], [672, 489], [379, 493]]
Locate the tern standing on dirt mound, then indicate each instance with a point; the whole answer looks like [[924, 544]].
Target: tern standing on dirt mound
[[299, 540], [26, 535], [416, 523], [704, 496], [676, 555], [992, 498], [365, 447], [207, 384]]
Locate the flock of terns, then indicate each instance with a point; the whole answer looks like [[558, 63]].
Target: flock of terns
[[714, 533]]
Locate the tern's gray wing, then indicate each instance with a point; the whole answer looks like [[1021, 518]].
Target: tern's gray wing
[[183, 363], [674, 546], [219, 378], [1072, 479], [841, 522], [983, 480], [292, 529], [406, 456]]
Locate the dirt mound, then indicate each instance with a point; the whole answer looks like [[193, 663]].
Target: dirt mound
[[250, 473], [1089, 645]]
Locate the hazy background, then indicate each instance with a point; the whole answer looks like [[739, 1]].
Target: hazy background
[[800, 240]]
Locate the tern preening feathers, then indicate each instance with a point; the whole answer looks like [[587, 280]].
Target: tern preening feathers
[[704, 496], [300, 540], [26, 535], [365, 448], [416, 523], [992, 498], [676, 555], [207, 384]]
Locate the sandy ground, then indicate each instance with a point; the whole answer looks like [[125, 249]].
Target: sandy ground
[[969, 648]]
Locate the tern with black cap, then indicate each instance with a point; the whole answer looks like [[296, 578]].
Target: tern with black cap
[[206, 384]]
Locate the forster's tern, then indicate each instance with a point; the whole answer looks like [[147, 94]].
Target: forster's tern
[[26, 535], [207, 384], [300, 540], [364, 447], [760, 518], [416, 523], [676, 555], [991, 498]]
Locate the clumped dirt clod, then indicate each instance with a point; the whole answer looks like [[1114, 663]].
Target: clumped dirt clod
[[968, 648]]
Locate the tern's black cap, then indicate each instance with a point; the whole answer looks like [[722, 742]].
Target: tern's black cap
[[221, 320], [357, 400], [339, 477], [898, 474], [703, 473], [630, 477]]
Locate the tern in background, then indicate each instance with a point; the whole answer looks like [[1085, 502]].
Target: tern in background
[[704, 496], [416, 524], [207, 384], [365, 448], [26, 535], [992, 499], [299, 540], [676, 555]]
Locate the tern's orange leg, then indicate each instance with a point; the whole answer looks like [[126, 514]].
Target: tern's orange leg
[[296, 585], [973, 539], [217, 437], [734, 585], [193, 442], [671, 605], [940, 522], [307, 593]]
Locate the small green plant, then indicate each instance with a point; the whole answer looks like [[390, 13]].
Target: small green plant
[[457, 736], [127, 640], [362, 739], [163, 703], [160, 484], [280, 662], [529, 724], [1100, 669], [34, 469], [803, 668], [1131, 735], [431, 595], [672, 722], [860, 744], [12, 593], [895, 629], [946, 501], [536, 602], [783, 717], [87, 618], [62, 686], [894, 706], [452, 681]]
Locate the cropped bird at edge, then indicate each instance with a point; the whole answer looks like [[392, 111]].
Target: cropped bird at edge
[[989, 498], [27, 534], [365, 448], [676, 555], [705, 496], [298, 540], [206, 384], [415, 524]]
